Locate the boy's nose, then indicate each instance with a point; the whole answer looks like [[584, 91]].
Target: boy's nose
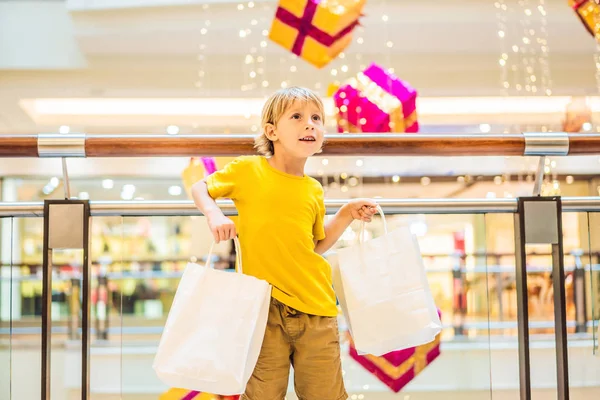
[[310, 127]]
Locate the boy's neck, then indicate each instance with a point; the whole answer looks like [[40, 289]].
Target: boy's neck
[[289, 165]]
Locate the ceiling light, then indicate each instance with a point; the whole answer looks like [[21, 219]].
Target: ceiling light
[[219, 107], [108, 183], [485, 128], [172, 129], [175, 190], [128, 188], [126, 195]]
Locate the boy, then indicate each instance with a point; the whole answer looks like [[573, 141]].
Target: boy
[[282, 235]]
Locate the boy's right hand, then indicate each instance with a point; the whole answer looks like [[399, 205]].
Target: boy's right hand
[[221, 227]]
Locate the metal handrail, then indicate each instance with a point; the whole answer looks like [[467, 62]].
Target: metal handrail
[[366, 144], [391, 206]]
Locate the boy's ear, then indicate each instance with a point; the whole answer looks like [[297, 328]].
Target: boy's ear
[[270, 132]]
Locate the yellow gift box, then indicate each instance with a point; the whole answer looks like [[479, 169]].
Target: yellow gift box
[[315, 30], [589, 13], [197, 170]]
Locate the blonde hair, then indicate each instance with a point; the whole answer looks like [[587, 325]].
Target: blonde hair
[[276, 106]]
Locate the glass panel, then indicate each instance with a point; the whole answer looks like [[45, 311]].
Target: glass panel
[[503, 310], [20, 305], [105, 307], [8, 302], [594, 278], [153, 253], [582, 289], [66, 309]]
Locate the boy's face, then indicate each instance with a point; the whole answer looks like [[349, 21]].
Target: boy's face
[[299, 131]]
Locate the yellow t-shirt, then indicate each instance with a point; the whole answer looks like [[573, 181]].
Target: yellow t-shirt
[[280, 216]]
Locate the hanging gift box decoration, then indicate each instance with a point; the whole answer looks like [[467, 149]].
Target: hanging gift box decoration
[[184, 394], [398, 368], [589, 13], [315, 30], [376, 101]]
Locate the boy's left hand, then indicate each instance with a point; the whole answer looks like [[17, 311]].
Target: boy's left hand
[[362, 209]]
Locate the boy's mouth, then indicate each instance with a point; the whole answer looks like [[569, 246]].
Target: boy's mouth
[[308, 139]]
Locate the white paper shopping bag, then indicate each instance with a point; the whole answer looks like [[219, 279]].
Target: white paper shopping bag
[[214, 331], [383, 290]]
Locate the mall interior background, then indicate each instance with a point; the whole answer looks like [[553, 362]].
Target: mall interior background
[[174, 67]]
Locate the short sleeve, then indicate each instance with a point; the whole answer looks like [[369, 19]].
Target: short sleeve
[[225, 183], [319, 226]]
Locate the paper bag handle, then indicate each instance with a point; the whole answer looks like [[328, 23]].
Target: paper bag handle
[[238, 254], [361, 235]]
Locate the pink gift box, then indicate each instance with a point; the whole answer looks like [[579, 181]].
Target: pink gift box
[[376, 101]]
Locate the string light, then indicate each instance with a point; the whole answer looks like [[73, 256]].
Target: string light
[[507, 63], [261, 59], [254, 35], [203, 38]]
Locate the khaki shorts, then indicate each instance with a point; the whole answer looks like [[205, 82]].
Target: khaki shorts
[[310, 344]]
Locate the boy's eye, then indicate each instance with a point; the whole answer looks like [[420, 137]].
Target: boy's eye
[[296, 116], [317, 117]]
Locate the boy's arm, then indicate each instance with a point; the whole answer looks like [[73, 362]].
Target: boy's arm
[[221, 227], [362, 209]]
